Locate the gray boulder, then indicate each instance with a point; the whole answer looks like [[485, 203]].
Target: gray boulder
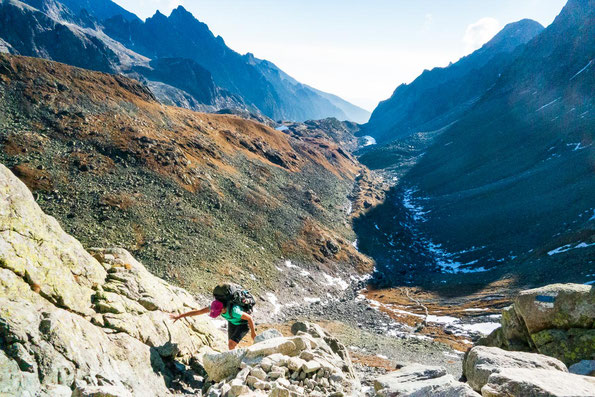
[[420, 381], [101, 391], [514, 331], [522, 382], [268, 334], [480, 362], [570, 346], [556, 306], [556, 320], [284, 346], [222, 365], [68, 318]]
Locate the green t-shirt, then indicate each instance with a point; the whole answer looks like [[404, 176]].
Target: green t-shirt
[[235, 317]]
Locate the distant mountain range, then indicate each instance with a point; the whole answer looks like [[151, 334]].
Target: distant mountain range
[[441, 95], [508, 188], [178, 57]]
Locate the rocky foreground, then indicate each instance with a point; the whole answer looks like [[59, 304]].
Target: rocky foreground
[[79, 323]]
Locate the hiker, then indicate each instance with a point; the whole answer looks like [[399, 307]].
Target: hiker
[[234, 305]]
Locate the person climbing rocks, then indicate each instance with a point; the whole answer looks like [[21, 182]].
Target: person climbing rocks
[[233, 304]]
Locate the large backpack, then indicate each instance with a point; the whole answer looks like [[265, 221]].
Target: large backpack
[[232, 294]]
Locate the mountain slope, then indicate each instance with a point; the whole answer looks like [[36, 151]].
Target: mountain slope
[[30, 32], [258, 82], [58, 34], [191, 79], [507, 190], [100, 35], [196, 196], [440, 96]]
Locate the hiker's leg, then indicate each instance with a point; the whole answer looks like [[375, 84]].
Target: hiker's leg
[[235, 333]]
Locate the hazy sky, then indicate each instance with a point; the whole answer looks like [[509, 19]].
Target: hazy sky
[[358, 49]]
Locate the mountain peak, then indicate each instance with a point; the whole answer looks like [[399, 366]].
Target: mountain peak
[[180, 11], [182, 14], [158, 15], [514, 34]]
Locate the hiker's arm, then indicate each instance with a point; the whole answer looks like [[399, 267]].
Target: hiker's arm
[[176, 317], [248, 318]]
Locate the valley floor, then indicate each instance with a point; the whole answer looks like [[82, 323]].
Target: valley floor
[[389, 328]]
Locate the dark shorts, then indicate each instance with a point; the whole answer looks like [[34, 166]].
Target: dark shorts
[[237, 332]]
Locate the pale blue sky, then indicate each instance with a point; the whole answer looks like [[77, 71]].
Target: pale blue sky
[[358, 49]]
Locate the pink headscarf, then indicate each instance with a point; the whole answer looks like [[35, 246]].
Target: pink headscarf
[[216, 308]]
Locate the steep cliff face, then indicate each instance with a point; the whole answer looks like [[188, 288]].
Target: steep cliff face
[[30, 32], [70, 320], [195, 196]]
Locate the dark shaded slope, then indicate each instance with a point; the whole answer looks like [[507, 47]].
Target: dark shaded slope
[[440, 96], [32, 33], [508, 190], [78, 11], [190, 77]]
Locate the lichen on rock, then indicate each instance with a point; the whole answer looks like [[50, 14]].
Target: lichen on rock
[[69, 319]]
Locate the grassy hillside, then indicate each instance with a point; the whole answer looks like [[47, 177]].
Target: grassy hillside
[[194, 196]]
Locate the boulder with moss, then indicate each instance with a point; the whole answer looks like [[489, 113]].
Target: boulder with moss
[[557, 320]]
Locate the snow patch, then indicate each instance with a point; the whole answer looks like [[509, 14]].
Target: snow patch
[[335, 281], [311, 300], [569, 247], [548, 104], [290, 265], [482, 328], [582, 70], [442, 319], [369, 140], [417, 211], [274, 301]]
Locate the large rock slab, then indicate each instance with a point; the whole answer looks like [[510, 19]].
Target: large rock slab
[[557, 306], [268, 334], [480, 362], [419, 381], [268, 347], [68, 318], [34, 246], [222, 365], [521, 382]]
